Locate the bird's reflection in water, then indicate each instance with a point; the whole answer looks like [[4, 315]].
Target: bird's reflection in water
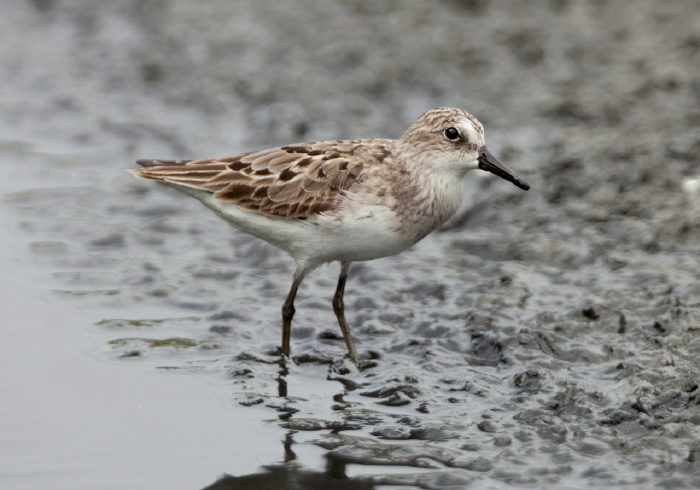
[[289, 455], [291, 475], [283, 477]]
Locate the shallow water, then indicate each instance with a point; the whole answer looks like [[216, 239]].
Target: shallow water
[[540, 339]]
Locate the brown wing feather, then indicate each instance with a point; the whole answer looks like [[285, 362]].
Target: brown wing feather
[[296, 181]]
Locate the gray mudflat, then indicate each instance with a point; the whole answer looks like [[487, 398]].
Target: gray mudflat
[[547, 339]]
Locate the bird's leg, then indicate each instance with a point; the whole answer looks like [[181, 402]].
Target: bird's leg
[[339, 308], [288, 310]]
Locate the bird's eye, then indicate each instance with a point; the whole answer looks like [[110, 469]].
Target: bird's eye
[[451, 134]]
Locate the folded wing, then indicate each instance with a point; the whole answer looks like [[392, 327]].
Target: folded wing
[[294, 182]]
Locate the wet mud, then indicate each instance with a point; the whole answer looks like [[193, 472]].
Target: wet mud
[[548, 339]]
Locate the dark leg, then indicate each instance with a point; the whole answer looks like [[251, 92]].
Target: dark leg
[[288, 310], [339, 308]]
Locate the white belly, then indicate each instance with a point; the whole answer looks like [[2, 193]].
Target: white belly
[[367, 233]]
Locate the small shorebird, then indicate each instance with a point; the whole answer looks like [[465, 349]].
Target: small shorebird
[[341, 200]]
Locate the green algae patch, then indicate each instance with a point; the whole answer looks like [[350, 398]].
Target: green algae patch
[[145, 323], [176, 342], [183, 369], [48, 247], [94, 292], [16, 146]]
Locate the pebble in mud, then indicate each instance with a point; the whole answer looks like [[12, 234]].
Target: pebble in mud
[[392, 433]]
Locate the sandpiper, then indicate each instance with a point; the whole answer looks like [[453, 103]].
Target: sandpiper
[[341, 200]]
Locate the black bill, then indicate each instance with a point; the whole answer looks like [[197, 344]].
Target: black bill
[[492, 164]]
